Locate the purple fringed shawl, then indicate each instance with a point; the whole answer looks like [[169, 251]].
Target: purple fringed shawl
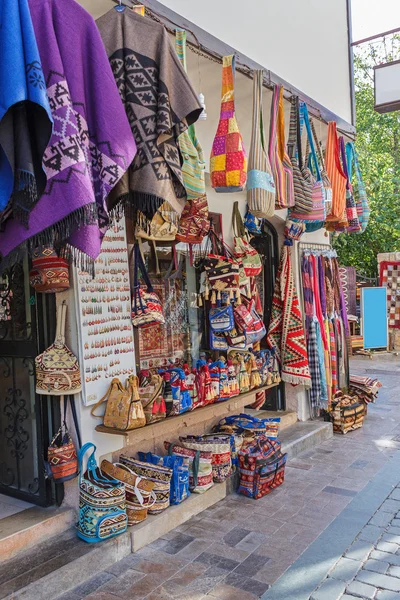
[[92, 143]]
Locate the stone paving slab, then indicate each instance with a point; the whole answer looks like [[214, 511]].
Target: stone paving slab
[[282, 546]]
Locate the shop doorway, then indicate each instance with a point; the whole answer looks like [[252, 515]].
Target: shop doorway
[[267, 246], [27, 327]]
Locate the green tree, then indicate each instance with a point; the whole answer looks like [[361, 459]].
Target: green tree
[[378, 147]]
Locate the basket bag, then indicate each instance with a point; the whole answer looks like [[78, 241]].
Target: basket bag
[[244, 251], [281, 166], [102, 501], [151, 394], [124, 410], [159, 475], [146, 305], [139, 491], [49, 273], [200, 466], [228, 164], [219, 445], [260, 182], [180, 474], [57, 368], [261, 467]]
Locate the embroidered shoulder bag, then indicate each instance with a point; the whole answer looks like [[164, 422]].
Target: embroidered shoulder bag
[[228, 164], [281, 166], [146, 305], [244, 251], [102, 501], [360, 195], [260, 182], [57, 368]]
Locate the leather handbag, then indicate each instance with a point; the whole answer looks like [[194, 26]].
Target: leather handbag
[[302, 177], [146, 305], [228, 163], [159, 475], [151, 394], [57, 369], [49, 273], [102, 501], [180, 473], [139, 490], [200, 466], [281, 166], [124, 410], [220, 447]]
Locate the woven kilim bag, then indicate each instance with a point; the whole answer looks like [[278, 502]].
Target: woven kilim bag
[[200, 468], [228, 164], [261, 467], [347, 413], [159, 475], [57, 368], [102, 502], [219, 445], [139, 491], [49, 273]]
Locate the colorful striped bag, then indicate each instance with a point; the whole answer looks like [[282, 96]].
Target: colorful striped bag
[[219, 445], [260, 182], [228, 163], [336, 175], [281, 166], [302, 178], [360, 195]]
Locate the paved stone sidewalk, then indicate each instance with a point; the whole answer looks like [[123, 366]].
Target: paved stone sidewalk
[[370, 567], [239, 548]]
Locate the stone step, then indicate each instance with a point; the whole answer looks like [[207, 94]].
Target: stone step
[[58, 565], [287, 418], [29, 527], [303, 436]]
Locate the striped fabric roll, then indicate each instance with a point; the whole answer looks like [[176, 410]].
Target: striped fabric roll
[[260, 183], [281, 166]]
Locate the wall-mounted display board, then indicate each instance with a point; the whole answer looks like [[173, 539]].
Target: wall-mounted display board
[[374, 321], [103, 304]]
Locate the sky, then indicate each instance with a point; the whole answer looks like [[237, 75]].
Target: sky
[[374, 16]]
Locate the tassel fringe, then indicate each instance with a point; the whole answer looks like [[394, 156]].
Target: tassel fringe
[[25, 196]]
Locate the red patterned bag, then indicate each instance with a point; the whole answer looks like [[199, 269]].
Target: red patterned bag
[[146, 305], [49, 273], [261, 467], [194, 223]]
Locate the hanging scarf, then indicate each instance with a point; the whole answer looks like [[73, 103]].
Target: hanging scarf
[[91, 146], [160, 103], [25, 116], [286, 332], [339, 296], [321, 281], [333, 356]]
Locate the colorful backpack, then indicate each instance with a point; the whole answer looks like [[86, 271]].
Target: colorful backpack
[[228, 164]]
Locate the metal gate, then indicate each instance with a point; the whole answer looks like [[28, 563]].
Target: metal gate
[[27, 327]]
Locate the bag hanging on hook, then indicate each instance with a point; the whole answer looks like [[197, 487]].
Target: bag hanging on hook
[[228, 162], [281, 166]]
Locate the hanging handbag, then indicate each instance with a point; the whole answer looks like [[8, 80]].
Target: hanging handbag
[[222, 270], [281, 166], [302, 178], [218, 341], [146, 305], [261, 192], [194, 223], [335, 174], [61, 455], [181, 401], [151, 395], [124, 410], [49, 273], [253, 224], [351, 207], [159, 475], [200, 466], [360, 195], [315, 218], [228, 164], [219, 446], [139, 491], [179, 490], [221, 318], [57, 368], [102, 501], [257, 331], [244, 251], [326, 183]]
